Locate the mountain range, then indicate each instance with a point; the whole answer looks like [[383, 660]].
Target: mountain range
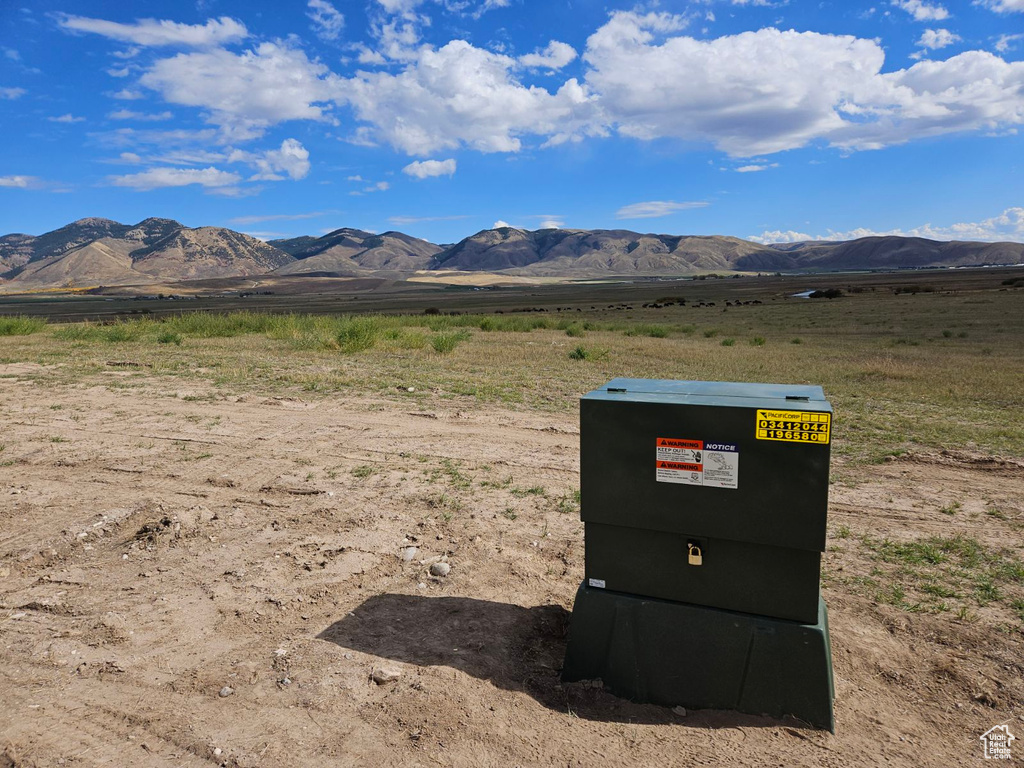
[[93, 252]]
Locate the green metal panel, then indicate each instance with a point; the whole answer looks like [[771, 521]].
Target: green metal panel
[[736, 575], [781, 491], [678, 654]]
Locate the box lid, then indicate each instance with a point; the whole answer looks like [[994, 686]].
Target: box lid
[[727, 393]]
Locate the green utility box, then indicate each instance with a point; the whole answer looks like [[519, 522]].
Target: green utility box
[[705, 508]]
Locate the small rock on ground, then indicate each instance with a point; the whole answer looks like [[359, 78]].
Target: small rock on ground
[[440, 569], [385, 675], [226, 691]]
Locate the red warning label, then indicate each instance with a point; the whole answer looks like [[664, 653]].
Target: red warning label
[[680, 466], [669, 442]]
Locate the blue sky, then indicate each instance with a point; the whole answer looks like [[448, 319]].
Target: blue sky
[[760, 119]]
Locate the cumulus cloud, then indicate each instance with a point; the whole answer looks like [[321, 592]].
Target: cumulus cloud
[[68, 118], [937, 38], [923, 11], [501, 224], [1007, 226], [327, 21], [128, 114], [291, 158], [127, 94], [18, 182], [1002, 6], [12, 93], [423, 169], [155, 32], [157, 178], [654, 209], [552, 223], [555, 56], [463, 95], [755, 168], [762, 92], [781, 236], [246, 92]]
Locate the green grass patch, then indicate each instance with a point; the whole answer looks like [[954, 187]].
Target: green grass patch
[[20, 325]]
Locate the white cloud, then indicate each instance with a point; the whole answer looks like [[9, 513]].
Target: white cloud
[[552, 223], [1007, 226], [766, 91], [1008, 42], [246, 92], [18, 182], [357, 177], [922, 11], [555, 56], [1002, 6], [500, 224], [154, 32], [126, 94], [654, 209], [68, 118], [128, 114], [327, 21], [158, 178], [937, 38], [399, 6], [755, 168], [779, 236], [463, 95], [119, 71], [12, 93], [292, 159], [426, 168]]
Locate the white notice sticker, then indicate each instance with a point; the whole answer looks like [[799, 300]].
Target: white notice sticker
[[697, 462]]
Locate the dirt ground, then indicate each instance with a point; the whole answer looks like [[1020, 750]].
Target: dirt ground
[[189, 579]]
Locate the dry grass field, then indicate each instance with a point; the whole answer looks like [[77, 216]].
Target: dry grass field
[[216, 531]]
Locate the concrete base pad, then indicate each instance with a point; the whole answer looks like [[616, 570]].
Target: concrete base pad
[[673, 654]]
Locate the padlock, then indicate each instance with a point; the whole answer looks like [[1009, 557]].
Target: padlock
[[695, 557]]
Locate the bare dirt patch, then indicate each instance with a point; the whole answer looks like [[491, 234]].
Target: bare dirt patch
[[192, 579]]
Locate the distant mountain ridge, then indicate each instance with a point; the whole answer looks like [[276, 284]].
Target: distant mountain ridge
[[95, 251], [353, 252]]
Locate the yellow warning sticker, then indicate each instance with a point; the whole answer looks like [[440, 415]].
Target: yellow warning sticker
[[794, 426]]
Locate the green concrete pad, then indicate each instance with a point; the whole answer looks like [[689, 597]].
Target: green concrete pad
[[671, 653]]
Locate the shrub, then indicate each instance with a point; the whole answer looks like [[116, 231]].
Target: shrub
[[444, 343], [358, 334], [121, 331], [169, 337], [574, 330], [757, 341], [19, 325], [580, 353], [728, 342], [797, 340]]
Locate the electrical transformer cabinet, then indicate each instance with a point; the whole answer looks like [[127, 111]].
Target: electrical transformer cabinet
[[731, 476], [704, 507]]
